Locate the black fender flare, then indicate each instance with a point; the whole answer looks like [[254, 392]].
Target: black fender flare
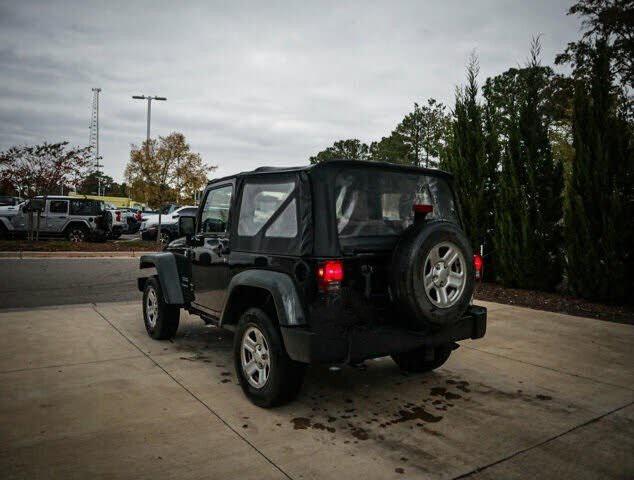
[[290, 311], [174, 274]]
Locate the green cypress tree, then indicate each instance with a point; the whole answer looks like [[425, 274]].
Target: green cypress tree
[[465, 157], [599, 198], [528, 210]]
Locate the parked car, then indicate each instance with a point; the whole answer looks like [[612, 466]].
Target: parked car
[[119, 223], [171, 232], [7, 201], [9, 210], [149, 227], [333, 263], [133, 219], [77, 219], [164, 210]]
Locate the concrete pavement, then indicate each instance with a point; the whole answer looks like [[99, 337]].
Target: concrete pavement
[[85, 393]]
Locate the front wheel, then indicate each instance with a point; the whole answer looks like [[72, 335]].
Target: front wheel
[[267, 375], [417, 361], [161, 320]]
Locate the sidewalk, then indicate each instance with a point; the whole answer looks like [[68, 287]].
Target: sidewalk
[[85, 393]]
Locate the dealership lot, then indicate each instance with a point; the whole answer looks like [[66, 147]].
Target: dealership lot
[[85, 392]]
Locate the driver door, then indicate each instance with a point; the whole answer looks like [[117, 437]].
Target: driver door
[[210, 250]]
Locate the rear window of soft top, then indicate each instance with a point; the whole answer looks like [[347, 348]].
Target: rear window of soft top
[[372, 202]]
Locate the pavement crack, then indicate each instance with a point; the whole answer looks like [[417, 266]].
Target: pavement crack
[[66, 365], [563, 372], [193, 395], [542, 443]]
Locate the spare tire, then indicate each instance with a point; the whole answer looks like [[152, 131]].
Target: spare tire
[[104, 221], [432, 275]]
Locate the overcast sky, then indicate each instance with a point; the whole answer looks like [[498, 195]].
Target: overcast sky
[[249, 83]]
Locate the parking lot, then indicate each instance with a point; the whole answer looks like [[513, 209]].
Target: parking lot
[[86, 394]]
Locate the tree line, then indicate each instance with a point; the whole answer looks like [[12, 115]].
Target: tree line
[[543, 162], [165, 170]]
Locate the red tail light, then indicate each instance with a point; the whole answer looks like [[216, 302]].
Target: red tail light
[[423, 208], [139, 216], [330, 274], [478, 264], [118, 215]]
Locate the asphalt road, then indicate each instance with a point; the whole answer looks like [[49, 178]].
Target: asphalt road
[[63, 281]]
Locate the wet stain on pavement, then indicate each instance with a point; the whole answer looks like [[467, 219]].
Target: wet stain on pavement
[[443, 392], [300, 423], [359, 433]]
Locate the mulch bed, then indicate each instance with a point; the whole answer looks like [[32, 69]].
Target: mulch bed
[[65, 246], [554, 302]]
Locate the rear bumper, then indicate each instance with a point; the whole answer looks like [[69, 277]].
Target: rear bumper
[[360, 344]]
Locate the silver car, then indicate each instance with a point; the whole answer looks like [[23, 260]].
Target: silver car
[[76, 219]]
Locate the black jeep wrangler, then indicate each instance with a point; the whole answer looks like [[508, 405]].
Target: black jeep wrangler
[[333, 263]]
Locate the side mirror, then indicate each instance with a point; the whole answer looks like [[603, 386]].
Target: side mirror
[[186, 226]]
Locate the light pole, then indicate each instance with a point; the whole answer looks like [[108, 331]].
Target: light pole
[[147, 144]]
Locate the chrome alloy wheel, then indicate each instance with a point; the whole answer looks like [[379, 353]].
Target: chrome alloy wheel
[[444, 275], [151, 307], [165, 238], [76, 235], [255, 357]]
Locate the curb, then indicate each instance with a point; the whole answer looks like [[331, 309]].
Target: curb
[[22, 255]]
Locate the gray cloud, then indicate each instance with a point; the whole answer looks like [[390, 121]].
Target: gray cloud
[[249, 83]]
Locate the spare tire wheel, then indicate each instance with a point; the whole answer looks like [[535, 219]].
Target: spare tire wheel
[[432, 275]]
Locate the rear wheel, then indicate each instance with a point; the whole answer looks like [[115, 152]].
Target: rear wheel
[[267, 375], [161, 320], [418, 361], [76, 234], [165, 238]]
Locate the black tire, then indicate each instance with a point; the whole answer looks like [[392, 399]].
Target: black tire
[[410, 259], [285, 376], [416, 362], [161, 322], [77, 233]]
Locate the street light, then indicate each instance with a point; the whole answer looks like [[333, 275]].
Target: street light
[[149, 99], [149, 113]]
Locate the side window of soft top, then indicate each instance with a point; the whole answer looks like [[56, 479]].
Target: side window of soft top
[[215, 213], [268, 206]]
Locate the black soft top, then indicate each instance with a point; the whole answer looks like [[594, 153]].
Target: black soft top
[[315, 193], [337, 165]]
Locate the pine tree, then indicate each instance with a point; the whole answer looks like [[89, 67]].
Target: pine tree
[[421, 131], [350, 149], [528, 209], [599, 198], [465, 157]]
